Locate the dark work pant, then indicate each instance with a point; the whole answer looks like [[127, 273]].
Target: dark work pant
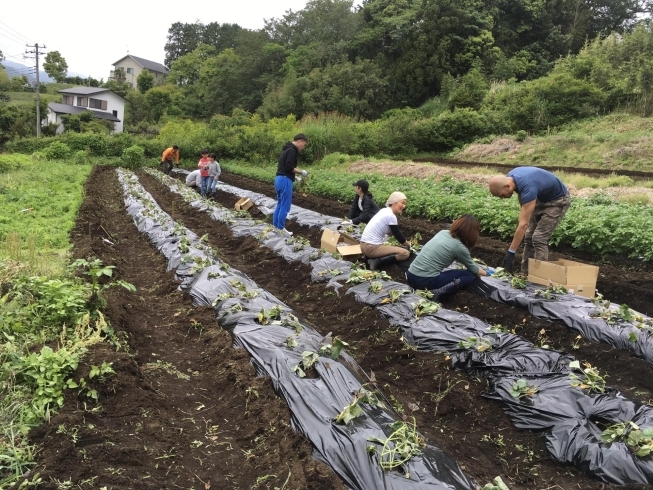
[[442, 279], [166, 166], [545, 219]]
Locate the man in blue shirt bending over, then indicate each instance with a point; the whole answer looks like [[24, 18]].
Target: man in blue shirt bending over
[[544, 200]]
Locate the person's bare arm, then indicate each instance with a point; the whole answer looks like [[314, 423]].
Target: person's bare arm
[[524, 217]]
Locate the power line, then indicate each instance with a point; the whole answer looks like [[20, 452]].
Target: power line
[[14, 57], [18, 73], [20, 70], [12, 40], [12, 29], [10, 35]]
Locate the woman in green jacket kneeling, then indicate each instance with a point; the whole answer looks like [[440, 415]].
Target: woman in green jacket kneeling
[[426, 271]]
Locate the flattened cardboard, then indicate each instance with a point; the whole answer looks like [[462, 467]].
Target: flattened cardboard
[[341, 243], [577, 277], [243, 204]]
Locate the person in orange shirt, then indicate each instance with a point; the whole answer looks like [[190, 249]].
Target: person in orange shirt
[[167, 159]]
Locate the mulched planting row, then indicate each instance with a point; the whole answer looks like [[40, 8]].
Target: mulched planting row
[[249, 313], [622, 280], [457, 419], [625, 372], [184, 409]]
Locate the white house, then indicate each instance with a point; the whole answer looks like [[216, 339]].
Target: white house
[[102, 102], [132, 66]]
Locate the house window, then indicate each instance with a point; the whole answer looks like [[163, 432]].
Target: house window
[[97, 104], [130, 70], [115, 113], [68, 100], [82, 101]]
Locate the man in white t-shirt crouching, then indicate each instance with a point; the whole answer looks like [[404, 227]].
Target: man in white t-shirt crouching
[[383, 224]]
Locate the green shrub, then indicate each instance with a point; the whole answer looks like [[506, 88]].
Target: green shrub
[[521, 135], [9, 163], [28, 145], [116, 144], [95, 144], [134, 156], [548, 101], [455, 128], [470, 91], [80, 157], [57, 151]]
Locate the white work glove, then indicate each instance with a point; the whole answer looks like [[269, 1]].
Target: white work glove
[[346, 222], [304, 173]]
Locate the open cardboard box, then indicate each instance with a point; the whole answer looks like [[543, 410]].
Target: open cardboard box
[[243, 204], [341, 243], [578, 278]]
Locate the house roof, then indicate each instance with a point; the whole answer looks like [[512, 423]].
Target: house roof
[[71, 109], [150, 65], [83, 90], [87, 91]]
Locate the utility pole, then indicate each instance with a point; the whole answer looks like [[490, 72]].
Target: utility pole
[[36, 48]]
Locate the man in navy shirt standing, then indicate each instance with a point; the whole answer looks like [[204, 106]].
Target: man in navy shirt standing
[[544, 200]]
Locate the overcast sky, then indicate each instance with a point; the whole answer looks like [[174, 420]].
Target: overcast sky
[[92, 37]]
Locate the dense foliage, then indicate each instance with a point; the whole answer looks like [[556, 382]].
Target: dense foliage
[[388, 77], [385, 54]]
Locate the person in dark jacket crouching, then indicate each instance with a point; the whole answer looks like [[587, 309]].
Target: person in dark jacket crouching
[[426, 271], [363, 208]]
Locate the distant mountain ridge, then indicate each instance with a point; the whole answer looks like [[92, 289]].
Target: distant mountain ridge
[[13, 69], [18, 69]]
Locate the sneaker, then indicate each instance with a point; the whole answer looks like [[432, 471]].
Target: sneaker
[[289, 233]]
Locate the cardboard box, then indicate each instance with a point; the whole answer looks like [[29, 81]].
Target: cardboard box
[[244, 204], [341, 243], [576, 277]]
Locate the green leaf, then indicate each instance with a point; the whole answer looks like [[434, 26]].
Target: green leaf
[[299, 371], [349, 414], [336, 346]]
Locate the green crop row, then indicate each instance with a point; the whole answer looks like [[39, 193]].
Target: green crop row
[[597, 224]]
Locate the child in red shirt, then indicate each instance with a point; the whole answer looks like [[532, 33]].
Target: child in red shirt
[[204, 172]]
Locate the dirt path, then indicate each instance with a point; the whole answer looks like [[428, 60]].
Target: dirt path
[[453, 413], [184, 409]]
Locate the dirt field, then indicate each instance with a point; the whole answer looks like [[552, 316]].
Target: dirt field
[[185, 409]]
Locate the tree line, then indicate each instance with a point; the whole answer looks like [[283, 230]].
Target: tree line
[[443, 72], [386, 54]]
